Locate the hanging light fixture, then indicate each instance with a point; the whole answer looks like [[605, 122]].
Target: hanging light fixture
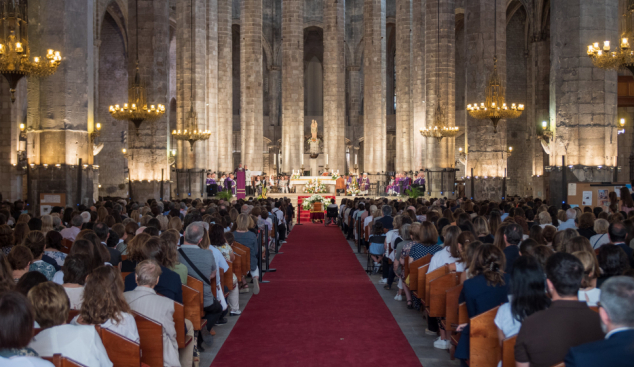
[[439, 129], [137, 110], [191, 133], [15, 61], [621, 58], [495, 107]]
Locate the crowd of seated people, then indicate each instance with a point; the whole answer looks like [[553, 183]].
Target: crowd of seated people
[[65, 273], [545, 267]]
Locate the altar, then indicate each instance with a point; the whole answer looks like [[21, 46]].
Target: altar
[[300, 182]]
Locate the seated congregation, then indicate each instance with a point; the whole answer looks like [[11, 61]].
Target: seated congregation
[[516, 283], [128, 284]]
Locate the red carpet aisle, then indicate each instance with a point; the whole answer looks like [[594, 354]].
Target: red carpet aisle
[[320, 309]]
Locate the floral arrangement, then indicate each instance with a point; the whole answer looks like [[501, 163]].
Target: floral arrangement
[[263, 196], [315, 187], [308, 203], [295, 177], [353, 189], [335, 176]]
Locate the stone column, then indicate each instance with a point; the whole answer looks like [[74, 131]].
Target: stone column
[[147, 147], [192, 70], [418, 85], [60, 109], [403, 81], [251, 101], [354, 81], [292, 83], [212, 65], [374, 119], [583, 98], [539, 80], [225, 87], [334, 84], [440, 89], [487, 150]]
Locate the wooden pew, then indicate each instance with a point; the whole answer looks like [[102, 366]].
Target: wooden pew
[[438, 293], [463, 314], [418, 286], [179, 324], [508, 351], [192, 307], [151, 336], [122, 351], [452, 295], [237, 265], [123, 275], [58, 361], [430, 278], [484, 349]]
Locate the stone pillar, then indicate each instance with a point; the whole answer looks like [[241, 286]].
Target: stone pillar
[[60, 110], [418, 85], [403, 82], [487, 150], [212, 65], [147, 147], [292, 83], [354, 95], [539, 80], [334, 84], [583, 98], [374, 105], [440, 89], [251, 101], [225, 87], [274, 97], [192, 70]]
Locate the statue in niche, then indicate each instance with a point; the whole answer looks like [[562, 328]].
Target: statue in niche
[[314, 142]]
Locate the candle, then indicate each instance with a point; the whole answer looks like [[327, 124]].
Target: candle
[[355, 159], [302, 156], [326, 158]]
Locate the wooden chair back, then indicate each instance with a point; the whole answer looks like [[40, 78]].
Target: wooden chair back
[[452, 296], [198, 286], [66, 245], [151, 336], [438, 293], [179, 323], [122, 351], [71, 315], [430, 278], [508, 351], [366, 232], [227, 280], [124, 257], [246, 265], [191, 306], [413, 270], [463, 314], [422, 279], [237, 265], [58, 361], [124, 274], [484, 345]]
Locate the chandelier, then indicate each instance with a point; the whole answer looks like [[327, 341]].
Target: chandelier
[[137, 110], [192, 134], [621, 58], [15, 61], [440, 129], [495, 108]]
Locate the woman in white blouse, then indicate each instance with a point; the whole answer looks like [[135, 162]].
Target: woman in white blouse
[[589, 292], [76, 268], [78, 342], [104, 304]]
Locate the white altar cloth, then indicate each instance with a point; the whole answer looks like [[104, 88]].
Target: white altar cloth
[[326, 180]]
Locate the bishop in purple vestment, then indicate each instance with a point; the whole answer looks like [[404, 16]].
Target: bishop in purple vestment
[[364, 183]]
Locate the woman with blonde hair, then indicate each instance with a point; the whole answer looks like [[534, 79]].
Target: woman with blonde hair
[[576, 244], [601, 238], [47, 224], [175, 223], [36, 242], [495, 221], [481, 228], [163, 221], [135, 252], [135, 216], [545, 219], [588, 292], [23, 218], [102, 213], [171, 238], [103, 304]]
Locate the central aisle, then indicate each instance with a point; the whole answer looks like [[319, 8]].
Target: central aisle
[[320, 309]]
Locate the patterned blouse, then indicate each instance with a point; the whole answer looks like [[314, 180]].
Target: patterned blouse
[[417, 251], [58, 256], [45, 268]]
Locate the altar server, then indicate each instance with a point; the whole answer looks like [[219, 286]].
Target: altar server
[[364, 184], [230, 184]]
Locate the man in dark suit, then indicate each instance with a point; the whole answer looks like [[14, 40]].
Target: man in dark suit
[[618, 233], [617, 318]]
